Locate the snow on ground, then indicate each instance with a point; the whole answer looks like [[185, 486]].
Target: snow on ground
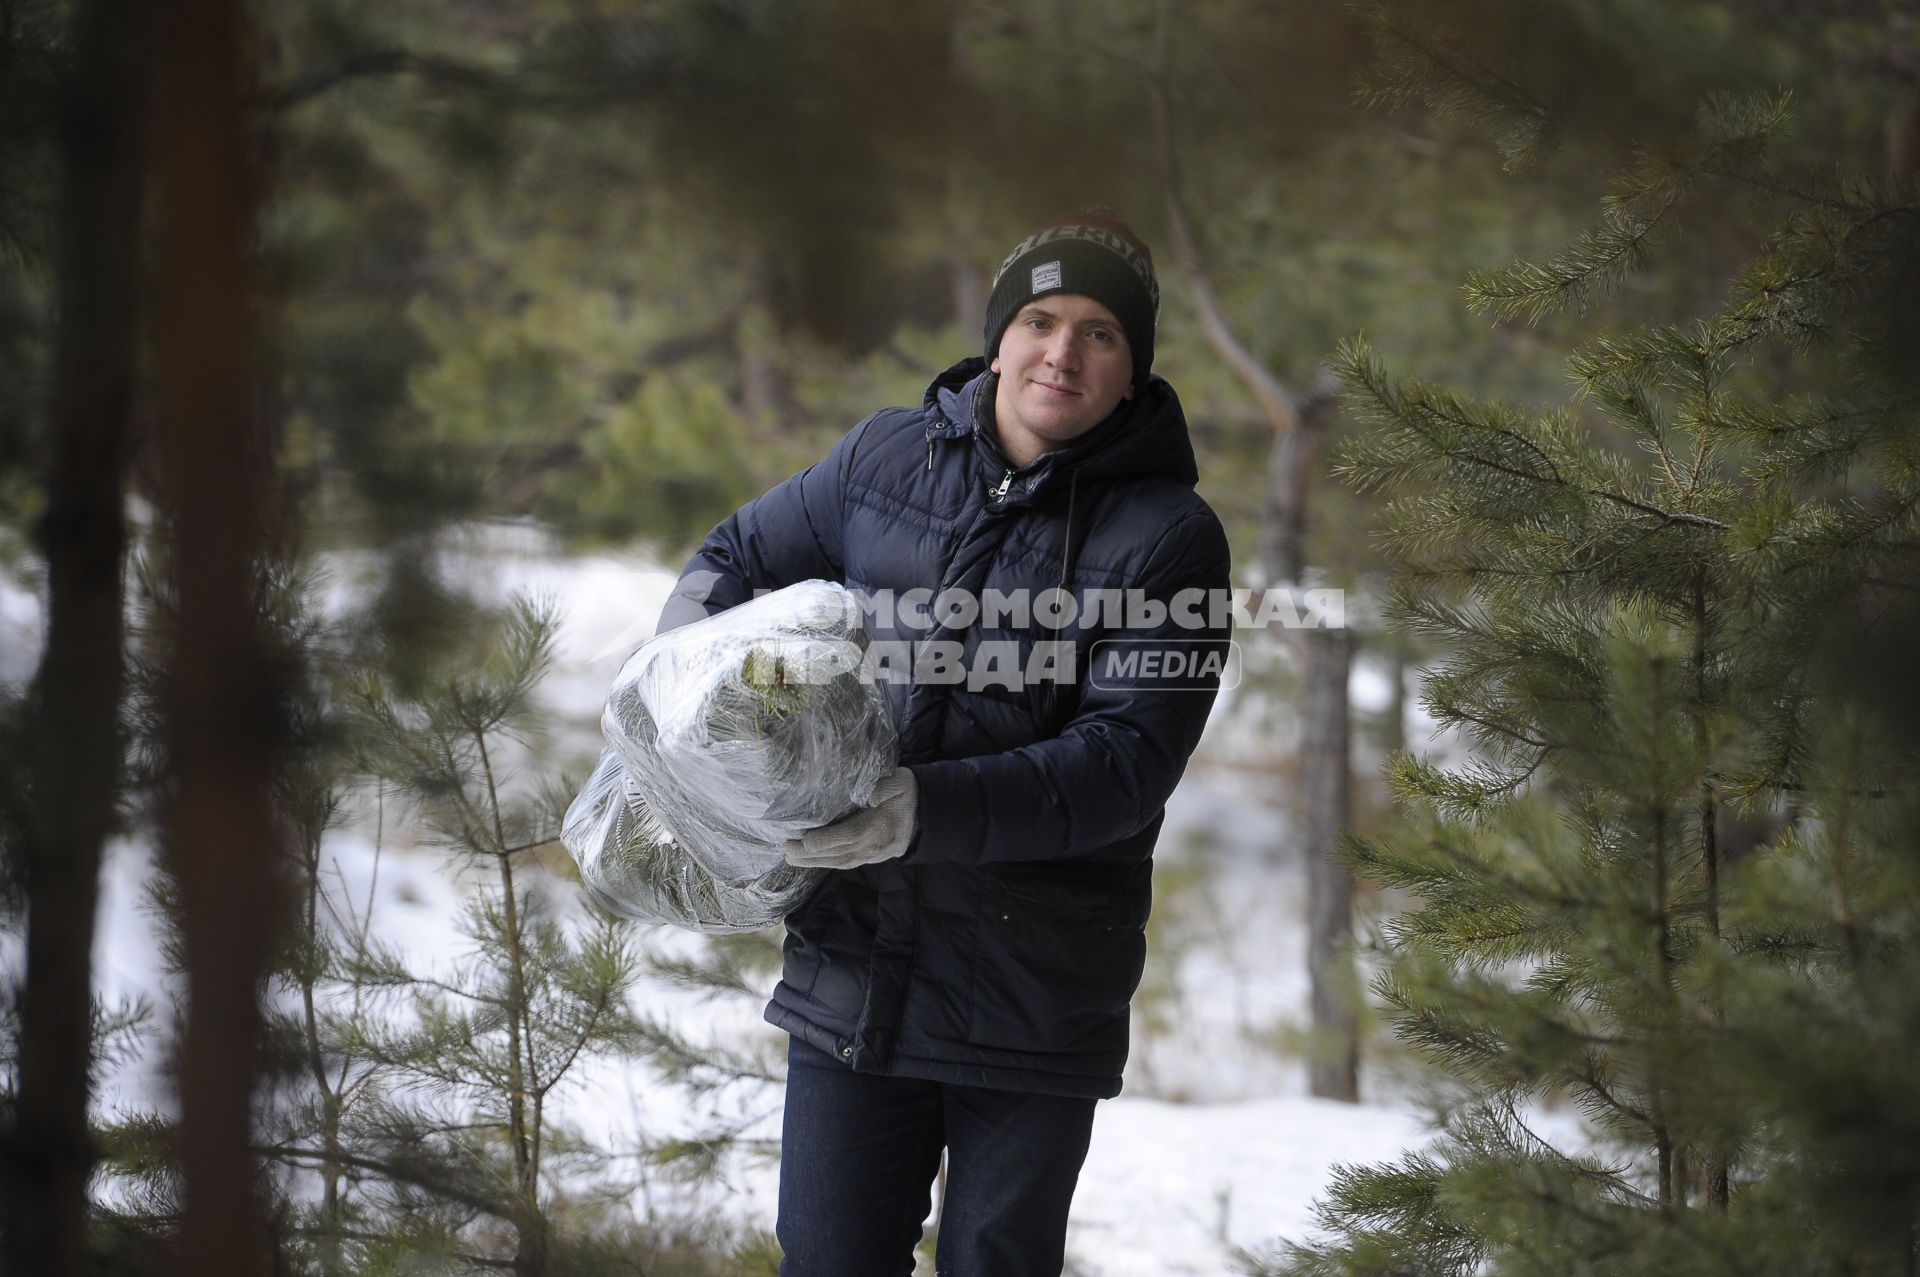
[[21, 624], [1168, 1189], [1213, 1146]]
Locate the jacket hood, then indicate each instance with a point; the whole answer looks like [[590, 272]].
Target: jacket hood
[[1144, 435]]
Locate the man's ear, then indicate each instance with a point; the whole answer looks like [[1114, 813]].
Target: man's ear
[[994, 365], [1129, 393]]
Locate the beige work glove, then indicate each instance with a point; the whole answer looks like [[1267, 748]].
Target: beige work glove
[[880, 832]]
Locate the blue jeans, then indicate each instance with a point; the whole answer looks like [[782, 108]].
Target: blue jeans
[[859, 1153]]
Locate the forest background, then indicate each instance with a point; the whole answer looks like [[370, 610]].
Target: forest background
[[294, 280]]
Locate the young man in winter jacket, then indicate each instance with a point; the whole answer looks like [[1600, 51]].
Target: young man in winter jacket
[[961, 980]]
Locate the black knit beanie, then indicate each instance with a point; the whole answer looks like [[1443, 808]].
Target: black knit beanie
[[1093, 254]]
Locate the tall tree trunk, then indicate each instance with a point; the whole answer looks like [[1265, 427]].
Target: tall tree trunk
[[970, 286], [1326, 752], [1299, 423], [223, 729], [1393, 737], [83, 536], [1326, 771], [1900, 125], [1298, 444], [1283, 515], [766, 395]]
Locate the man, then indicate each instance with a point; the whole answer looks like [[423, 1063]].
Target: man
[[961, 978]]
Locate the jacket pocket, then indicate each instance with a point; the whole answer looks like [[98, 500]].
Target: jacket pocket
[[1056, 962]]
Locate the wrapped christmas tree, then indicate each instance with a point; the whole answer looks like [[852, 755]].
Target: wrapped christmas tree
[[725, 739]]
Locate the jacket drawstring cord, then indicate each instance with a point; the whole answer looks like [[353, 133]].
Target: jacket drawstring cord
[[1069, 552]]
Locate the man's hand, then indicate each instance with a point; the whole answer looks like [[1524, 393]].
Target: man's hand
[[881, 832]]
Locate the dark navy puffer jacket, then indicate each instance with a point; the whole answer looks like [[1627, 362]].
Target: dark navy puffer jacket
[[1003, 949]]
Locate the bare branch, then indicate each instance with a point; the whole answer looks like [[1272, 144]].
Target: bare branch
[[387, 62], [1281, 406]]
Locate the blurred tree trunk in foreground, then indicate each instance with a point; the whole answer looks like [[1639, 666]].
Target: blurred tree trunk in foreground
[[83, 534], [222, 703]]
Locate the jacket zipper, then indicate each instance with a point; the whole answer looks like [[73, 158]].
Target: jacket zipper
[[1000, 493]]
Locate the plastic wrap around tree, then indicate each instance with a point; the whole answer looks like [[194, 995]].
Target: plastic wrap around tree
[[725, 739], [631, 865]]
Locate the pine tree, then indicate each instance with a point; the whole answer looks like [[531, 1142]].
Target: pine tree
[[1671, 882], [385, 1128], [430, 1120], [412, 1120]]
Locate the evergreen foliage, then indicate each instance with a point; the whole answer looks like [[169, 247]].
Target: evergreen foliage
[[407, 1122], [1671, 884], [428, 1114]]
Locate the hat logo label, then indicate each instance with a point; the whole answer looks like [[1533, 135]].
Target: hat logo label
[[1046, 276]]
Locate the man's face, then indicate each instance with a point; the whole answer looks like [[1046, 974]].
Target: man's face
[[1064, 367]]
